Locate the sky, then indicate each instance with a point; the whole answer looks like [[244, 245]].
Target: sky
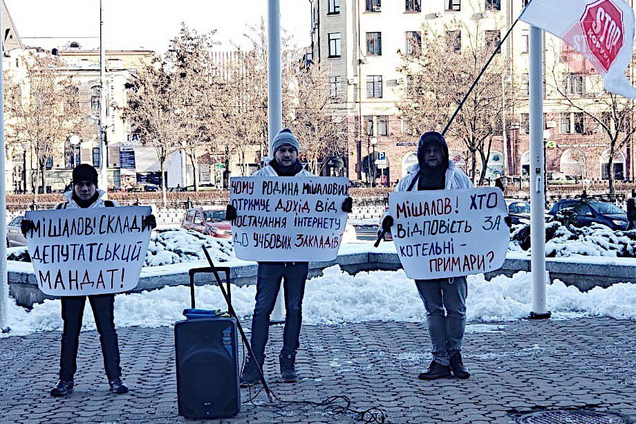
[[131, 24]]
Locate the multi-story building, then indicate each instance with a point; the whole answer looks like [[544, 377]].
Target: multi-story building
[[359, 41]]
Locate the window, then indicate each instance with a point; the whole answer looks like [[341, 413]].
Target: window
[[368, 125], [525, 84], [96, 157], [374, 43], [566, 120], [383, 125], [574, 84], [454, 41], [493, 4], [453, 5], [95, 98], [374, 5], [524, 123], [374, 86], [413, 43], [336, 90], [525, 41], [413, 6], [334, 44], [333, 7], [579, 123], [49, 163], [493, 39]]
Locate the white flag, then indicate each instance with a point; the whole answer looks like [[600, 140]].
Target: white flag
[[601, 30]]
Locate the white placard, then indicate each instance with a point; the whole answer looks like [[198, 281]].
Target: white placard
[[88, 251], [295, 219], [449, 233]]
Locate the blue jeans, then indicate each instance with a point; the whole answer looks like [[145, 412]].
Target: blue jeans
[[268, 282], [445, 303]]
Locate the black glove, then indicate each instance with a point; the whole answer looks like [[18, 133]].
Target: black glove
[[508, 221], [230, 213], [149, 221], [26, 225], [387, 223], [347, 205]]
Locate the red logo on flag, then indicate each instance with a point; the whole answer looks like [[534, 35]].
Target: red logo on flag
[[602, 24]]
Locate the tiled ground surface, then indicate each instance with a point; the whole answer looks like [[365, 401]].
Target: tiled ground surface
[[517, 368]]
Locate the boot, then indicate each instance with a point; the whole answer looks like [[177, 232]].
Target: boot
[[250, 374], [62, 388], [457, 366], [118, 386], [287, 369], [435, 371]]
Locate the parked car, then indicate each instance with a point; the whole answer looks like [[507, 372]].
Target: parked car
[[519, 211], [14, 233], [209, 221], [588, 211]]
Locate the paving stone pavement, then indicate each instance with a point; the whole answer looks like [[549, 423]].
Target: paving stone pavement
[[518, 367]]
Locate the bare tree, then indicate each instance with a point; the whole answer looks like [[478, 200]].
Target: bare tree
[[155, 111], [608, 115], [43, 110], [439, 69]]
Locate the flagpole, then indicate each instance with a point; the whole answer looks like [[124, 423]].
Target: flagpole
[[4, 284], [537, 177], [274, 103]]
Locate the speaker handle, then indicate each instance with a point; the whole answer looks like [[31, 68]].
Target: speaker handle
[[207, 270], [238, 322]]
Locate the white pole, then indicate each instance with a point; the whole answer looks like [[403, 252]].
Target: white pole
[[4, 285], [537, 177], [103, 153], [274, 103]]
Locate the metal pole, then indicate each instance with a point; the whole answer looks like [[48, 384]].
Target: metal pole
[[504, 135], [4, 285], [274, 103], [537, 177], [103, 153]]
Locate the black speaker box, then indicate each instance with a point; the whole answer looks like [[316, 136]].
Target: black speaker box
[[207, 367]]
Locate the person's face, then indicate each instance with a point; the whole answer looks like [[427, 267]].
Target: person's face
[[433, 155], [84, 189], [286, 155]]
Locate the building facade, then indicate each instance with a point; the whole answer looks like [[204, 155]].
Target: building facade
[[360, 42]]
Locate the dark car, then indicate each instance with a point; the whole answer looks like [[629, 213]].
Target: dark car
[[207, 221], [14, 233], [519, 211], [587, 212]]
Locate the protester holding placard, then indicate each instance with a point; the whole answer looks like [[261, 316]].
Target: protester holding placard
[[86, 195], [444, 299], [285, 164]]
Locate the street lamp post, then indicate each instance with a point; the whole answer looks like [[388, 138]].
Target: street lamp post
[[373, 142], [24, 146]]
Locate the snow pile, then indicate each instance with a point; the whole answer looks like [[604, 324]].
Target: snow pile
[[567, 240], [337, 297]]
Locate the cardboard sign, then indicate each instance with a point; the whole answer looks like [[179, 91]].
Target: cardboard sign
[[449, 233], [88, 251], [297, 219]]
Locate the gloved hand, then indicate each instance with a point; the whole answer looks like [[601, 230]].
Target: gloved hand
[[230, 213], [347, 205], [508, 221], [387, 223], [26, 225], [149, 221]]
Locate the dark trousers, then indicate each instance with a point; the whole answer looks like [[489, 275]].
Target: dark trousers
[[268, 282], [72, 312]]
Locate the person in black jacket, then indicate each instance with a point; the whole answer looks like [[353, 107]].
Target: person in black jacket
[[86, 195]]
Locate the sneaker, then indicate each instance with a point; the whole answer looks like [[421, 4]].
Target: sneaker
[[457, 366], [435, 371], [62, 388], [250, 374], [118, 386], [287, 367]]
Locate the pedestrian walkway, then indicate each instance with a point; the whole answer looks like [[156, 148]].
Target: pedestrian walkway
[[518, 367]]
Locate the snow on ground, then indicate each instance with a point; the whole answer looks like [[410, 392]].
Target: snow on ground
[[337, 297]]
